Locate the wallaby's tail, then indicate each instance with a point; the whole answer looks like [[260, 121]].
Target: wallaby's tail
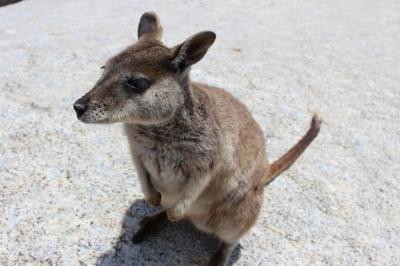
[[291, 156]]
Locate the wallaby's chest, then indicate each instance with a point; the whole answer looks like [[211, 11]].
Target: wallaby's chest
[[170, 154], [164, 164]]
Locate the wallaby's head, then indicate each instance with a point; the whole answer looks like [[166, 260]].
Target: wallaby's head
[[146, 83]]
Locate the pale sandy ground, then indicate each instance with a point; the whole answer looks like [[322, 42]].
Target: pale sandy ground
[[66, 188]]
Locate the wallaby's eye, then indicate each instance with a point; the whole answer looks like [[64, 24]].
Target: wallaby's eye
[[137, 85]]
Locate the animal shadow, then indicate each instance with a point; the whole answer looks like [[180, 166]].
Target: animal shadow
[[176, 244]]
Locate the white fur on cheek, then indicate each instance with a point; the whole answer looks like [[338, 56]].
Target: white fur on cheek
[[156, 105]]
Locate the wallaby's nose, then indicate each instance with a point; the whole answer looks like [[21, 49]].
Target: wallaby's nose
[[80, 108]]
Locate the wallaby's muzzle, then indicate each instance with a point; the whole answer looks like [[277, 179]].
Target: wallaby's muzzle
[[79, 109], [80, 106]]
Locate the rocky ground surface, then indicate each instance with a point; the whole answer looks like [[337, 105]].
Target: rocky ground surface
[[69, 194]]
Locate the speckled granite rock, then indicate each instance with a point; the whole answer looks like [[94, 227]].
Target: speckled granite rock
[[69, 193]]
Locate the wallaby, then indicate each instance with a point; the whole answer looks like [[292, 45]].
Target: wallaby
[[197, 150]]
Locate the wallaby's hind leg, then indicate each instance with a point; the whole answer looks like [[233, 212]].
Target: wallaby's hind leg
[[149, 225], [221, 257]]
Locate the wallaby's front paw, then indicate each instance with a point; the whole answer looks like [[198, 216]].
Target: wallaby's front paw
[[154, 199], [174, 215]]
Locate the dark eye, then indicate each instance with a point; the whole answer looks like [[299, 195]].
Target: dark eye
[[137, 85]]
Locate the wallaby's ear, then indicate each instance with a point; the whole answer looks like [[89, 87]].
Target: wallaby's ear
[[193, 49], [150, 26]]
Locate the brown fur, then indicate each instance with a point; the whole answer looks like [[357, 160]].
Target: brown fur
[[198, 151]]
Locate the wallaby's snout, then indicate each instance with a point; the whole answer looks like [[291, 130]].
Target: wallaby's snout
[[80, 108], [93, 107]]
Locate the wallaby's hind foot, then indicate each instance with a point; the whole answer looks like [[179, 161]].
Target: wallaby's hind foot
[[149, 225], [221, 257]]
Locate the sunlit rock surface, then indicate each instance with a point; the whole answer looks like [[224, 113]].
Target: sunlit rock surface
[[69, 194]]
